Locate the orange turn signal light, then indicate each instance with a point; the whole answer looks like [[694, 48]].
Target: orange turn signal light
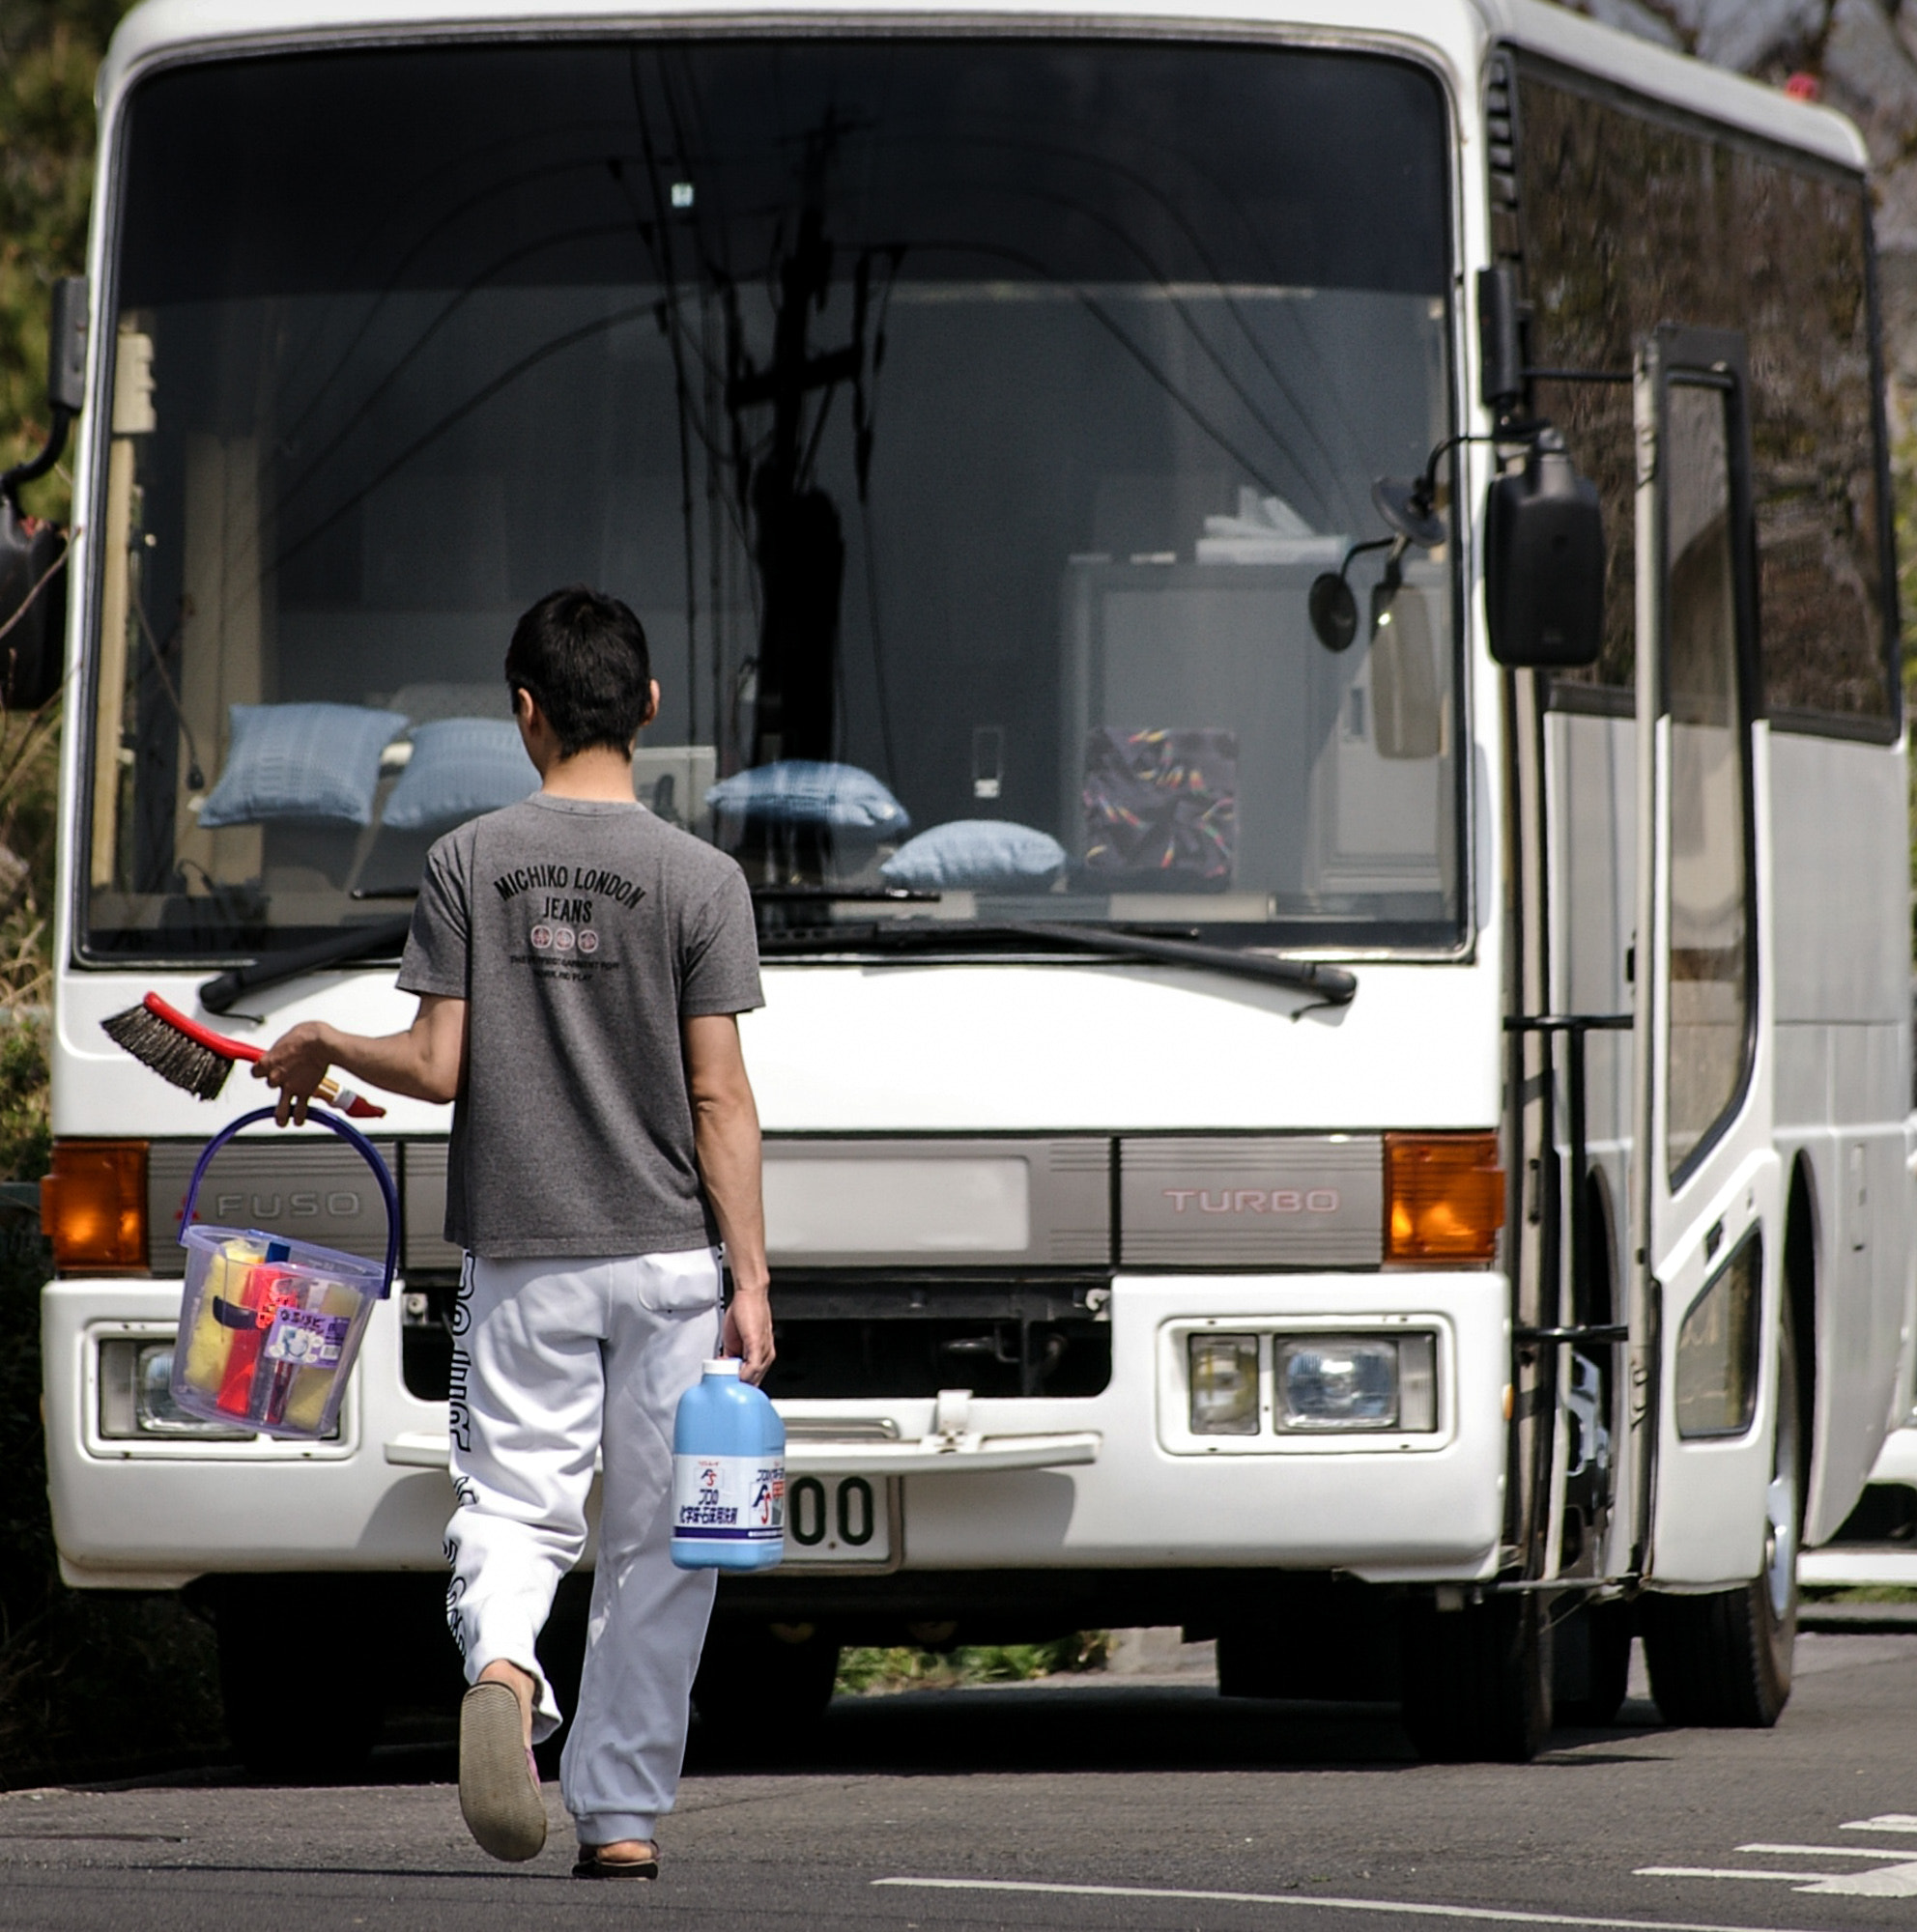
[[1443, 1198], [93, 1207]]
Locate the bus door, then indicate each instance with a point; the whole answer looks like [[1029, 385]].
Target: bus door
[[1706, 1188]]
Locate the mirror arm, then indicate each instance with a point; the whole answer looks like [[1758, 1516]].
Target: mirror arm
[[1358, 550], [1511, 430], [38, 466], [1424, 490], [1410, 511], [1579, 376]]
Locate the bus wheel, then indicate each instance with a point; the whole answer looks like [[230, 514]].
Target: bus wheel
[[764, 1684], [1725, 1659], [280, 1733], [1477, 1680], [1592, 1657]]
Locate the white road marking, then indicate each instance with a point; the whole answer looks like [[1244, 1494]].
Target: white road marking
[[1832, 1851], [1894, 1880], [1886, 1882], [1404, 1908], [1725, 1872]]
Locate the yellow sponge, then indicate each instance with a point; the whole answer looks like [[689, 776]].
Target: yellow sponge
[[211, 1341], [306, 1399]]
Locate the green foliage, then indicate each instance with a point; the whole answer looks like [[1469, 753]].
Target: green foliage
[[49, 50], [26, 1138], [866, 1671]]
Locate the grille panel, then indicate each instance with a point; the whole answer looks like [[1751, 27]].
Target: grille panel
[[1271, 1200]]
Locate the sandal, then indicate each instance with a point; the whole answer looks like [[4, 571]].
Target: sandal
[[593, 1864], [498, 1782]]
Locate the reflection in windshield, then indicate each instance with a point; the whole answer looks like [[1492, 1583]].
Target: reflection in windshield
[[966, 423]]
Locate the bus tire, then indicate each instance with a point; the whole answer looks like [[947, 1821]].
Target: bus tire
[[1592, 1649], [1724, 1659], [1479, 1680], [764, 1684]]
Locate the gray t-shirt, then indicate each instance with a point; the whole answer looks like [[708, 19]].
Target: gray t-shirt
[[581, 935]]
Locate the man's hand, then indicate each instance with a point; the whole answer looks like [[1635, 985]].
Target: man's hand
[[748, 1332], [427, 1061], [296, 1063]]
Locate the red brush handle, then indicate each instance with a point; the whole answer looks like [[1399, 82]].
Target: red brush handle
[[213, 1043], [239, 1049]]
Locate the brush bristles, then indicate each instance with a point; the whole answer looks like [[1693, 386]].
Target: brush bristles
[[158, 1043]]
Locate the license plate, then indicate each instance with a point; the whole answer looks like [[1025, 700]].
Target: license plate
[[839, 1518]]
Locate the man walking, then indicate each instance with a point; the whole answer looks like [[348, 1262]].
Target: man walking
[[580, 966]]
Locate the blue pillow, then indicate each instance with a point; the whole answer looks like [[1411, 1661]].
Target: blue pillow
[[310, 761], [810, 792], [459, 768], [976, 852]]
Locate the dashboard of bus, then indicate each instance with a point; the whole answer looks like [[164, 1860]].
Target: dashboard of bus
[[967, 423]]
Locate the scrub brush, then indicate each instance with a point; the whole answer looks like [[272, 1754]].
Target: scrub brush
[[198, 1060]]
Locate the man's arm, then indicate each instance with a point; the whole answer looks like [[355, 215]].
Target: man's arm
[[726, 1141], [427, 1061]]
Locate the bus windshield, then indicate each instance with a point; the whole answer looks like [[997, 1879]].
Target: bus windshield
[[966, 420]]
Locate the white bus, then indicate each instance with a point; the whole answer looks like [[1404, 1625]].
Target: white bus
[[1338, 1059]]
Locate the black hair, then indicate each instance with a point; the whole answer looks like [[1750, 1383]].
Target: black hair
[[582, 656]]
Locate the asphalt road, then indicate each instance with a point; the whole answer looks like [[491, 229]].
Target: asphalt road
[[1099, 1803]]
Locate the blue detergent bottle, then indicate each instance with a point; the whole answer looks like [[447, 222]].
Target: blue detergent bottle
[[729, 1475]]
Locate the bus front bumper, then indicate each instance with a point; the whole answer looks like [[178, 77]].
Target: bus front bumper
[[1111, 1481]]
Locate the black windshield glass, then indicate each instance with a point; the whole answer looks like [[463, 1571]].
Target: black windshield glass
[[966, 422]]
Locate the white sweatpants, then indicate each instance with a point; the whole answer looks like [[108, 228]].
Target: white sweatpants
[[554, 1360]]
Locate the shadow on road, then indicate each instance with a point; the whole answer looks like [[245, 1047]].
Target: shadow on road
[[1069, 1725], [1073, 1726]]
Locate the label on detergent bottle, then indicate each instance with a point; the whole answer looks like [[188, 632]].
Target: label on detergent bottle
[[307, 1339], [737, 1500]]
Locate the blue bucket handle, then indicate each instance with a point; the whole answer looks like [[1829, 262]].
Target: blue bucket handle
[[348, 1133]]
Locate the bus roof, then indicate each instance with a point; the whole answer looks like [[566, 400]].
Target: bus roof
[[163, 27], [1676, 79]]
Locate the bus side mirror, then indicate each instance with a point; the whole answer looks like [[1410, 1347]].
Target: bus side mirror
[[1544, 563], [67, 345], [33, 554]]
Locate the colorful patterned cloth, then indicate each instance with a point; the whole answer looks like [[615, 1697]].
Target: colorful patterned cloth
[[1161, 808]]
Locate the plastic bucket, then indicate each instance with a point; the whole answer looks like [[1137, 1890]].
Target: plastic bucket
[[269, 1326]]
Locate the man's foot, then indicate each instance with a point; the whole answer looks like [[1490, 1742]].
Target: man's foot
[[629, 1858], [522, 1683], [498, 1783]]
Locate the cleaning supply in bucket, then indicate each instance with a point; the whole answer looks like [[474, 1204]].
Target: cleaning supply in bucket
[[205, 1348], [729, 1475], [269, 1326]]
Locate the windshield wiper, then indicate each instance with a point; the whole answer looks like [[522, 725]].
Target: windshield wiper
[[217, 994], [848, 894], [1335, 986]]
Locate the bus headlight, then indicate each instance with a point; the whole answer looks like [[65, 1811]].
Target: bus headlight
[[1357, 1382], [1225, 1385], [135, 1400]]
